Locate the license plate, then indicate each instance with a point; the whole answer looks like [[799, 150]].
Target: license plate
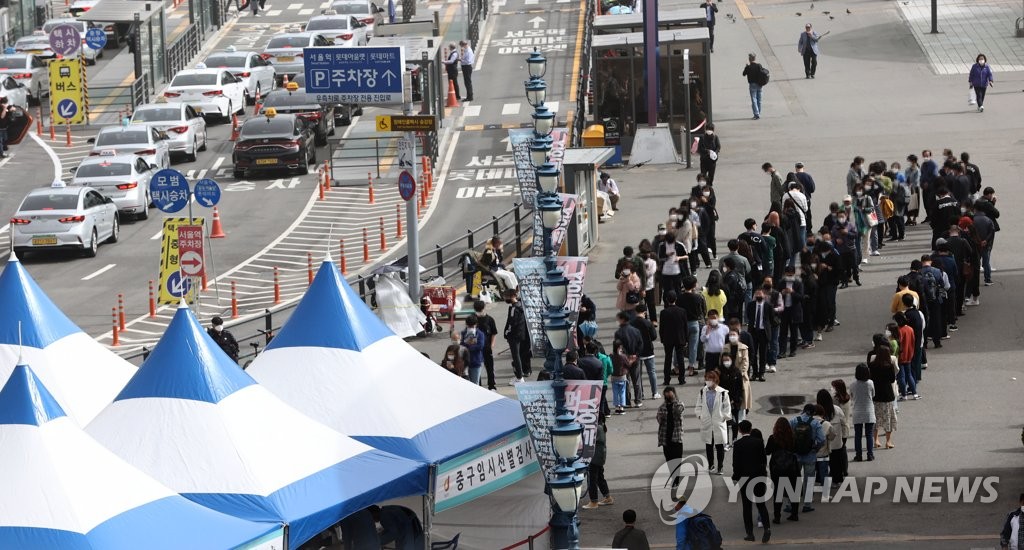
[[266, 161], [44, 241], [285, 58]]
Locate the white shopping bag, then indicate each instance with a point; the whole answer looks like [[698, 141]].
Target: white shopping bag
[[972, 98]]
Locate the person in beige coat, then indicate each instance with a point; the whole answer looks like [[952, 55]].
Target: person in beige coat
[[741, 359], [714, 412], [628, 286]]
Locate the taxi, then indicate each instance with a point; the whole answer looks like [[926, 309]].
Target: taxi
[[211, 92], [273, 141], [29, 70], [284, 51], [294, 100], [257, 74], [61, 217], [122, 177]]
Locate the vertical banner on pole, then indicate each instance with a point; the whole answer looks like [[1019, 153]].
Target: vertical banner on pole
[[582, 400], [559, 233], [530, 272]]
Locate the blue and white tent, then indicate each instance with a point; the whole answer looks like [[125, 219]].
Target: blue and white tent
[[337, 362], [62, 489], [194, 420], [83, 375]]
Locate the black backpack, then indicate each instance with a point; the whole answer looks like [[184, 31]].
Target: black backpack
[[783, 463], [732, 284], [763, 76], [702, 534], [803, 436]]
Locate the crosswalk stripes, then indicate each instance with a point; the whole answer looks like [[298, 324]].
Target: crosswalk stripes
[[508, 109], [472, 110]]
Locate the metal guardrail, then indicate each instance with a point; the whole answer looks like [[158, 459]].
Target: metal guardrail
[[182, 50], [513, 227], [116, 100], [372, 152], [583, 78]]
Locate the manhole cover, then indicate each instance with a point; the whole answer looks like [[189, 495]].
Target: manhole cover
[[786, 404]]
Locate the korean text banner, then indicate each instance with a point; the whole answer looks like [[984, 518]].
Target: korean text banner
[[560, 230], [525, 173], [530, 272], [582, 399], [483, 471]]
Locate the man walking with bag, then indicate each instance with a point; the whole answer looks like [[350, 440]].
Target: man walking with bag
[[517, 334], [757, 77]]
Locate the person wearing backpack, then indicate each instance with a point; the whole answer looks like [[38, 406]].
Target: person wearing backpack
[[750, 466], [757, 78], [473, 339], [783, 467], [486, 324], [808, 438], [695, 530]]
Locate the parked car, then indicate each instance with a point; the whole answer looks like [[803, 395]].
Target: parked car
[[295, 101], [208, 91], [184, 127], [284, 51], [59, 217], [344, 30], [122, 177], [36, 45], [367, 11], [82, 27], [29, 70], [15, 92], [272, 141], [147, 143], [256, 73], [343, 112], [78, 7]]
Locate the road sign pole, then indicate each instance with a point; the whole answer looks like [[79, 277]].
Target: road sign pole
[[412, 244]]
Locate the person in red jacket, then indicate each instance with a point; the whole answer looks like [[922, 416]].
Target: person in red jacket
[[905, 337]]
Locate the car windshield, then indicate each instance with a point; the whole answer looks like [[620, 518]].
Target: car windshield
[[226, 60], [267, 127], [327, 24], [55, 201], [122, 138], [13, 62], [104, 169], [39, 43], [195, 79], [288, 42], [156, 115], [349, 8], [284, 99], [49, 25]]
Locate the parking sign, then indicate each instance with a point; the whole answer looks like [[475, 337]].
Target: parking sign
[[362, 74]]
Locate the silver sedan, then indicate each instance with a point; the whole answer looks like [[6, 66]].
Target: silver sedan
[[184, 127], [56, 218], [124, 178], [143, 141]]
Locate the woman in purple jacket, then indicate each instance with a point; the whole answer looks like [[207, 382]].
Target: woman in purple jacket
[[980, 79]]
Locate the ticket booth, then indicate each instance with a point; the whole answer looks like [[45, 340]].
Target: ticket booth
[[619, 84], [634, 22], [580, 169]]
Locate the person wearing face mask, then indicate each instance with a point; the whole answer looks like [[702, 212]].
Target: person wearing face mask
[[670, 425], [453, 359], [844, 236], [1012, 535], [517, 334], [223, 337], [773, 298], [708, 147], [855, 175], [864, 213], [714, 410], [630, 289], [672, 257], [812, 314], [731, 379], [792, 291], [700, 212], [829, 274], [980, 80], [736, 353], [761, 318], [713, 336]]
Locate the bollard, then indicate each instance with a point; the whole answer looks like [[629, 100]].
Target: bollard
[[417, 209], [39, 121], [53, 133], [344, 262], [68, 126], [366, 247], [369, 177], [115, 337], [383, 239], [309, 267], [327, 175], [234, 301], [256, 104], [423, 197], [204, 280], [320, 196], [398, 222], [277, 286], [120, 311], [152, 301]]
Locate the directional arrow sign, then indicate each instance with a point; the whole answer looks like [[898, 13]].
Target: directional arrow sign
[[176, 286], [207, 192], [191, 263], [67, 108], [363, 74], [537, 21], [389, 76]]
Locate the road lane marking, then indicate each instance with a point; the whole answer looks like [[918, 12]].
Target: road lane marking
[[306, 11], [472, 110], [510, 109], [49, 151], [98, 272], [744, 10], [552, 106], [158, 235]]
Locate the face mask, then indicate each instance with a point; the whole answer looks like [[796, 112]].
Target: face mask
[[733, 338], [693, 205], [706, 193], [790, 278], [451, 357], [727, 364], [714, 322], [218, 328], [709, 384], [982, 63], [869, 187], [710, 133], [673, 217], [626, 273], [814, 266], [662, 232], [888, 334], [963, 210], [841, 219], [759, 298], [860, 193]]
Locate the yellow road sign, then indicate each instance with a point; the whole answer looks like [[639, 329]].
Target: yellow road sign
[[406, 123], [67, 91], [174, 283]]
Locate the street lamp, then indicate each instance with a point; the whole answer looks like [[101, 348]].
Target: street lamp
[[543, 121], [547, 178], [556, 289], [540, 148], [537, 64], [536, 92]]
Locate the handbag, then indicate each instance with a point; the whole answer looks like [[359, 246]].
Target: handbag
[[872, 219], [632, 297], [694, 145], [712, 154], [972, 97]]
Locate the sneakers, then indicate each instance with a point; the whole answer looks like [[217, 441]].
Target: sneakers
[[618, 410], [875, 253], [989, 283], [901, 398], [864, 261], [981, 109], [592, 505], [818, 337], [973, 301], [916, 397], [606, 501], [515, 381], [953, 328], [638, 404], [657, 396], [770, 369]]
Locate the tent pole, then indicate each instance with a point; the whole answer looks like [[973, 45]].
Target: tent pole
[[428, 506]]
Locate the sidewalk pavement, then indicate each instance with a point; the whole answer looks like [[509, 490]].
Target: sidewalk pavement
[[965, 30]]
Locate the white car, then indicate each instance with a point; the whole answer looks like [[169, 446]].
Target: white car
[[55, 218], [345, 30], [367, 11], [256, 73], [208, 91], [122, 177], [15, 92], [29, 70], [141, 141], [284, 51], [37, 45], [82, 27], [184, 127], [78, 7]]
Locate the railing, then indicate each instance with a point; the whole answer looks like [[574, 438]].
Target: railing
[[373, 152], [106, 103], [182, 50], [477, 15], [583, 78], [514, 227]]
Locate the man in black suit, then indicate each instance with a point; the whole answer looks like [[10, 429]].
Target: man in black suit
[[750, 466], [761, 318], [672, 331], [830, 274]]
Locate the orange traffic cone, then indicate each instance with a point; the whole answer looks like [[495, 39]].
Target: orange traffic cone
[[217, 231], [452, 100], [234, 127]]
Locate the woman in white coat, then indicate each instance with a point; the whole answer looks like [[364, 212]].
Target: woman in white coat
[[714, 411]]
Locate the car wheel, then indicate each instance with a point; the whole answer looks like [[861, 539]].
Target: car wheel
[[304, 169], [321, 139], [93, 246], [115, 232], [144, 215], [191, 157], [203, 146], [313, 160], [358, 112], [226, 117], [238, 174]]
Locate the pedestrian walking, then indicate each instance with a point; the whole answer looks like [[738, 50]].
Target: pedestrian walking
[[466, 59], [254, 5], [757, 78], [595, 470], [670, 426], [713, 336], [808, 48], [473, 339], [223, 337], [710, 11], [980, 80], [750, 470], [629, 537], [517, 334], [6, 113], [808, 438], [714, 410], [708, 147], [487, 325], [731, 379], [451, 66]]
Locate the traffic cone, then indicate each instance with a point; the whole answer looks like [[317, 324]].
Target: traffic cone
[[234, 127], [256, 104], [217, 231], [452, 100]]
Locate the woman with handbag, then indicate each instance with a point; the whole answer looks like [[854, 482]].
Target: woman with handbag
[[630, 291], [867, 220], [913, 176]]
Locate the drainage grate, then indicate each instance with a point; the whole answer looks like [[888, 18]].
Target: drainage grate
[[786, 404]]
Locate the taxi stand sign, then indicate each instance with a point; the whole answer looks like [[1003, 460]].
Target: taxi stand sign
[[67, 91], [362, 74], [176, 279], [65, 40]]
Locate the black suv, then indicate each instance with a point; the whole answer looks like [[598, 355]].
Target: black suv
[[297, 102], [271, 141]]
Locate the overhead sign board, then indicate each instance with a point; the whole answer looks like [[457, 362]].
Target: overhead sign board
[[406, 123], [67, 91], [175, 282], [65, 40], [169, 190], [361, 74]]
